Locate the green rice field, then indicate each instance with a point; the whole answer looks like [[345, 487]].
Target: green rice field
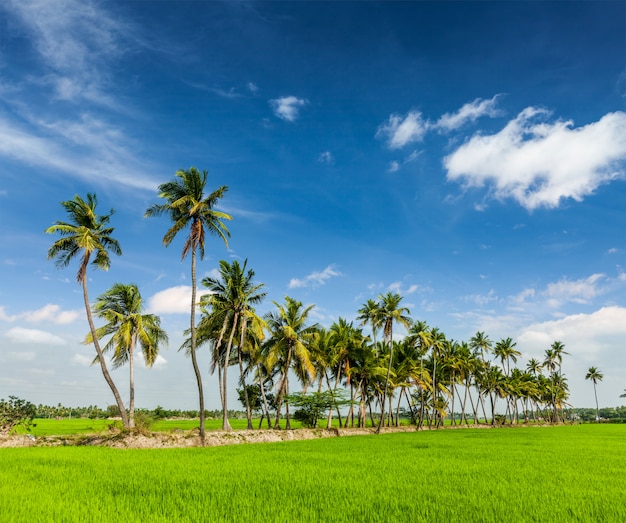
[[53, 427], [542, 474]]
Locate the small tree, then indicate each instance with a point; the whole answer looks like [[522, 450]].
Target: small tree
[[16, 412]]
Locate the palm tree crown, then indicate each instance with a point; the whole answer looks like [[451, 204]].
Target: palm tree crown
[[187, 206], [86, 233]]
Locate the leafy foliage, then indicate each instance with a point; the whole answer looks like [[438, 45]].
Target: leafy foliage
[[16, 412]]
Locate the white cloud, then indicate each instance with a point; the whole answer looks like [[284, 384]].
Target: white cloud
[[22, 356], [537, 163], [482, 299], [159, 363], [470, 112], [315, 279], [584, 335], [326, 157], [252, 87], [175, 300], [287, 107], [52, 313], [49, 313], [397, 287], [82, 360], [77, 44], [400, 131], [22, 335], [578, 291], [393, 167]]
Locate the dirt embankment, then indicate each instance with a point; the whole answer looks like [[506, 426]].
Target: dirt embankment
[[186, 439]]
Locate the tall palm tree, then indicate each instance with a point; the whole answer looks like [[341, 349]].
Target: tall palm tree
[[290, 347], [189, 207], [595, 376], [390, 312], [232, 296], [370, 313], [481, 345], [87, 236], [121, 308], [419, 337]]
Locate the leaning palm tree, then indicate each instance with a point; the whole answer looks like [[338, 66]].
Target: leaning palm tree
[[595, 376], [232, 296], [188, 206], [121, 308], [87, 235], [390, 312]]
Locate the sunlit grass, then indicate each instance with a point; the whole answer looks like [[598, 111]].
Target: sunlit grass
[[571, 473]]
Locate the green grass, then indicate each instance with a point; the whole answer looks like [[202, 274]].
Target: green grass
[[556, 474], [64, 427]]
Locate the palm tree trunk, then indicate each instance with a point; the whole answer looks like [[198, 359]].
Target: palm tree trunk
[[382, 403], [131, 369], [595, 392], [242, 380], [265, 405], [194, 359], [103, 366], [225, 423], [282, 390]]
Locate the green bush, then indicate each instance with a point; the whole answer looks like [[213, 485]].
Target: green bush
[[16, 412]]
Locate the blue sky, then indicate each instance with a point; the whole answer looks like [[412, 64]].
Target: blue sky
[[470, 156]]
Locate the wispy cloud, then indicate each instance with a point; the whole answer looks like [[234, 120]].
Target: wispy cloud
[[175, 300], [75, 41], [326, 157], [50, 117], [538, 163], [398, 287], [395, 166], [577, 291], [48, 313], [315, 279], [288, 107], [469, 113], [401, 130], [27, 336]]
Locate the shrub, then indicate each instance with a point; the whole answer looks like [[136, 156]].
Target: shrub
[[16, 412]]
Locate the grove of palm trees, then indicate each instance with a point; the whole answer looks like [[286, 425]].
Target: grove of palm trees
[[353, 375]]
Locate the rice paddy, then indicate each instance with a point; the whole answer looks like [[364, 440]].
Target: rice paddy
[[565, 473]]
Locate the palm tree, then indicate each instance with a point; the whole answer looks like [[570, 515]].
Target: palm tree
[[188, 206], [290, 347], [595, 376], [87, 236], [370, 313], [121, 308], [481, 345], [231, 298], [390, 311]]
